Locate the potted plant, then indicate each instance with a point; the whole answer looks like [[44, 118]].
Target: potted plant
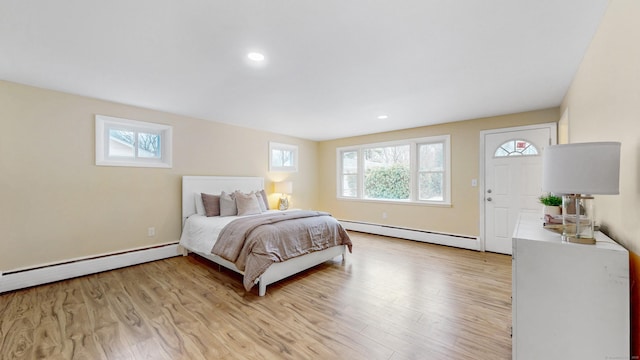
[[552, 204]]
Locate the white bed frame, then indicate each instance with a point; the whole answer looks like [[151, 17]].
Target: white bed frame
[[192, 185]]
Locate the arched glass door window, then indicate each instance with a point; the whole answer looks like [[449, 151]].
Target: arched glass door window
[[517, 147]]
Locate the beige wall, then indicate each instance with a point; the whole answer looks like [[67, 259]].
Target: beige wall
[[463, 216], [57, 205], [604, 105]]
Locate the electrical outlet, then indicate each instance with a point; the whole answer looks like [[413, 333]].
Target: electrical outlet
[[151, 231], [474, 182], [384, 214]]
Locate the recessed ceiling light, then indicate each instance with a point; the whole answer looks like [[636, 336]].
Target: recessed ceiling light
[[254, 56], [382, 117]]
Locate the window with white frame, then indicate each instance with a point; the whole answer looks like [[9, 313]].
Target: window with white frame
[[283, 157], [518, 147], [414, 170], [123, 142]]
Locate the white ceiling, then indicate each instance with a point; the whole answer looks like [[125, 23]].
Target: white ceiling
[[332, 66]]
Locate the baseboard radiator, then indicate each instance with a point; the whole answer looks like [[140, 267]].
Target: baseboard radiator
[[23, 278], [460, 241]]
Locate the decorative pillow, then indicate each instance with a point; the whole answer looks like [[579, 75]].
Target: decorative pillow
[[247, 203], [260, 202], [199, 204], [211, 204], [228, 204], [265, 199]]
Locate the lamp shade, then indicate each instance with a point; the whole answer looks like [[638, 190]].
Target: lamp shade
[[284, 187], [582, 168]]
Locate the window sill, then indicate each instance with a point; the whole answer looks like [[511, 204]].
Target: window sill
[[134, 164], [397, 202]]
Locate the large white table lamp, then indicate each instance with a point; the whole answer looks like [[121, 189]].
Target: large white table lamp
[[576, 172]]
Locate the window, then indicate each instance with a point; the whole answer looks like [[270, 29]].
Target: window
[[431, 173], [415, 170], [283, 157], [516, 148], [122, 142], [387, 173], [349, 173]]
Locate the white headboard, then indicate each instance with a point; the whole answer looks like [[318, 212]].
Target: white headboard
[[214, 185]]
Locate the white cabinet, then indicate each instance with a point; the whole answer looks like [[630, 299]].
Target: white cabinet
[[570, 301]]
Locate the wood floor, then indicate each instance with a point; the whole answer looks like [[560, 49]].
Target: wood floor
[[393, 299]]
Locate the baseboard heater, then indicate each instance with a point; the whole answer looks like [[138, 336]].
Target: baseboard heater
[[23, 278], [461, 241]]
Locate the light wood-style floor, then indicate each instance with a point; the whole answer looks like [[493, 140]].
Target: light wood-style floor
[[393, 299]]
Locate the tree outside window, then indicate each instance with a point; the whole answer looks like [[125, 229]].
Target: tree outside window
[[415, 170]]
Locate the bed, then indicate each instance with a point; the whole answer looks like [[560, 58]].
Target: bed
[[199, 233]]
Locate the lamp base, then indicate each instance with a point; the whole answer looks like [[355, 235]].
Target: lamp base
[[578, 218], [577, 240]]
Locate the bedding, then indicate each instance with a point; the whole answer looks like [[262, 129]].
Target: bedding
[[200, 233], [253, 243]]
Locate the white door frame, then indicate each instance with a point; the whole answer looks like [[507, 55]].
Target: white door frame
[[553, 129]]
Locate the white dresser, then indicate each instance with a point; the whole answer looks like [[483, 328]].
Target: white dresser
[[570, 301]]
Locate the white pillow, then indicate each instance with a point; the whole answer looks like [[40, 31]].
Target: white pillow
[[264, 198], [261, 202], [199, 204]]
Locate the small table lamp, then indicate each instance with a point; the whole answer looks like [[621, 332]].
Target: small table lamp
[[577, 171], [284, 188]]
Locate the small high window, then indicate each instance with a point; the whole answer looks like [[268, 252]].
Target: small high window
[[283, 157], [516, 148], [123, 142]]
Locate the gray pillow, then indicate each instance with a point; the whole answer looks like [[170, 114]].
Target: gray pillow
[[211, 204], [228, 205], [265, 199], [247, 203]]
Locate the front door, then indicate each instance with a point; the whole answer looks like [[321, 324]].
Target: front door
[[512, 179]]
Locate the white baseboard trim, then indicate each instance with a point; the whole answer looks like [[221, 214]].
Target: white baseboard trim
[[12, 280], [460, 241]]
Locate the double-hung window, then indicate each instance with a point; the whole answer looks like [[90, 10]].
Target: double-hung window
[[123, 142], [414, 170]]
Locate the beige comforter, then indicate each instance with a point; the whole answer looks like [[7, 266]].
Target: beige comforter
[[254, 243]]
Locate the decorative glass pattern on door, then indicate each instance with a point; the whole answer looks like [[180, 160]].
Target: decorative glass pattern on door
[[517, 147]]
